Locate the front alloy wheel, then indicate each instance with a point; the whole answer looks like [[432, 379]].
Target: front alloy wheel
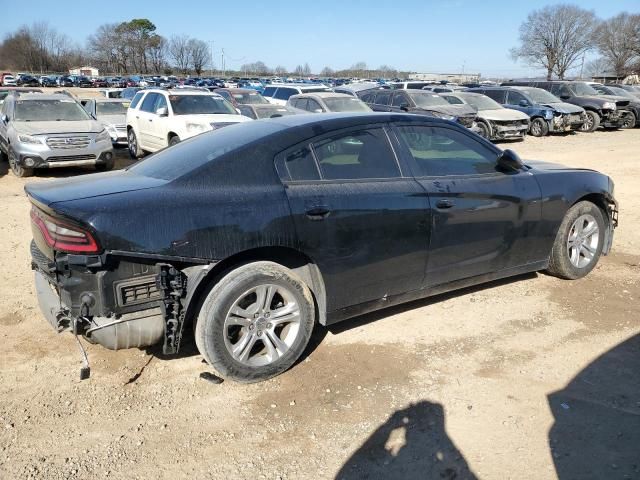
[[583, 240]]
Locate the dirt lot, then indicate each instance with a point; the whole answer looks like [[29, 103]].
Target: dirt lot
[[521, 379]]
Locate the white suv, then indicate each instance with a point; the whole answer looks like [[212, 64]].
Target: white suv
[[158, 118], [279, 94]]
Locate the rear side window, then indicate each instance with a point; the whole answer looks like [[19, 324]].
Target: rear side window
[[361, 154], [269, 91], [442, 151], [148, 102], [301, 165], [497, 95]]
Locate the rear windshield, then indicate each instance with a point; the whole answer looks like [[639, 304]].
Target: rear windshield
[[249, 98], [112, 108], [481, 102], [427, 99], [200, 105], [344, 104], [189, 155], [49, 111]]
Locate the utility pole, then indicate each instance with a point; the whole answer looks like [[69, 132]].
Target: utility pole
[[224, 70], [211, 55], [582, 66]]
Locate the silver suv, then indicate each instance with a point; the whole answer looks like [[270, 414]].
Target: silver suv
[[45, 131]]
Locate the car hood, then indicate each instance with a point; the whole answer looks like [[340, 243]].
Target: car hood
[[502, 114], [113, 119], [88, 186], [547, 166], [40, 128], [563, 107]]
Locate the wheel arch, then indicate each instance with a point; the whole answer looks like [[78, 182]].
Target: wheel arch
[[202, 279], [171, 134], [601, 201]]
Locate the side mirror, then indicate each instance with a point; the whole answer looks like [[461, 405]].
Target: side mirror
[[565, 97], [404, 107], [162, 112], [509, 161], [523, 103], [4, 119], [318, 110]]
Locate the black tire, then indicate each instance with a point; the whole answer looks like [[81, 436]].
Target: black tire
[[539, 127], [135, 151], [629, 120], [174, 140], [560, 264], [484, 130], [210, 331], [18, 170], [592, 122], [106, 166]]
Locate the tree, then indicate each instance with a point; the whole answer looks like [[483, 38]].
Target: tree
[[198, 54], [555, 38], [326, 72], [179, 52], [616, 40], [280, 70], [306, 69], [158, 53], [597, 66], [299, 71]]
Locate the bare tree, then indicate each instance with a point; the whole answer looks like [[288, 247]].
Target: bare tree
[[198, 54], [158, 53], [326, 72], [306, 69], [299, 71], [179, 52], [555, 38], [616, 40], [597, 66], [280, 70]]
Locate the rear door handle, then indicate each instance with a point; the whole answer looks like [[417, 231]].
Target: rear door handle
[[444, 204], [318, 213]]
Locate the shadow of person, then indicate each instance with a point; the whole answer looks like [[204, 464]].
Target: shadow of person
[[596, 433], [412, 444]]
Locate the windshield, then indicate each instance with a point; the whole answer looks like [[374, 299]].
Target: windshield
[[112, 108], [538, 95], [582, 88], [481, 102], [249, 98], [427, 99], [343, 104], [200, 105], [49, 111]]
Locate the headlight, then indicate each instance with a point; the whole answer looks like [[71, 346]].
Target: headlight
[[444, 116], [548, 114], [103, 136], [30, 139], [196, 127], [609, 106]]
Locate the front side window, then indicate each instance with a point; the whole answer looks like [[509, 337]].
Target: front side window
[[136, 99], [400, 100], [362, 154], [284, 93], [383, 98], [442, 151], [161, 102], [514, 98], [269, 91], [314, 106], [247, 111]]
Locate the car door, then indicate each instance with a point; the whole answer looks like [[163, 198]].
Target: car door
[[144, 120], [483, 220], [362, 221], [5, 118], [381, 101], [159, 124], [517, 101], [401, 102]]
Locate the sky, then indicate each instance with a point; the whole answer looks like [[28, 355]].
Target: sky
[[446, 36]]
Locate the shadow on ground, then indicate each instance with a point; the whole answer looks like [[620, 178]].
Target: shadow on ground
[[596, 434], [412, 444]]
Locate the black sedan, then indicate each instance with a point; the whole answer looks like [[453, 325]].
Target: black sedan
[[256, 232]]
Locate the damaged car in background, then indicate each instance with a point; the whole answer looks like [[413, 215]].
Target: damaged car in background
[[112, 114], [494, 121], [547, 113], [254, 233]]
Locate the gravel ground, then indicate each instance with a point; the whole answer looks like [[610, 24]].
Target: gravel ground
[[521, 379]]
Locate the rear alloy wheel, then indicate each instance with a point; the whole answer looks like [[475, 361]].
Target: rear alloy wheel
[[579, 242], [256, 322], [591, 123], [539, 127], [18, 170], [484, 130], [135, 151], [629, 120]]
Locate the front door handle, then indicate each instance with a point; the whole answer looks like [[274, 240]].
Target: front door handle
[[444, 204], [318, 213]]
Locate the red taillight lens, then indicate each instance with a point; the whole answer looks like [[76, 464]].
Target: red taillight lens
[[62, 236]]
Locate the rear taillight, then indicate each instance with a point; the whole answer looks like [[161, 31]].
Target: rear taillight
[[63, 236]]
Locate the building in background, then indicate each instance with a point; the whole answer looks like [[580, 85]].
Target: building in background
[[84, 71], [446, 77]]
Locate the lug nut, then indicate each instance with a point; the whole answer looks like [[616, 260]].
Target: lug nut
[[266, 314], [250, 327], [268, 325], [255, 315], [259, 333]]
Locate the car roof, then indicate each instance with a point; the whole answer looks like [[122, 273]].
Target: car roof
[[323, 95], [336, 120], [45, 96], [301, 86], [236, 90], [181, 91], [109, 100]]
